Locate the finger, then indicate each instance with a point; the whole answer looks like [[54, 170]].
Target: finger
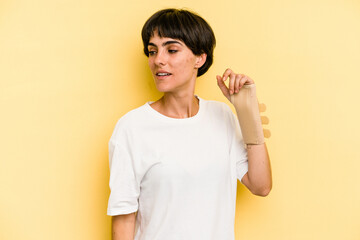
[[249, 80], [223, 87], [226, 74], [237, 83], [232, 83], [243, 80]]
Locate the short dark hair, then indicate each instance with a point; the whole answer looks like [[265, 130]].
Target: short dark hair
[[186, 26]]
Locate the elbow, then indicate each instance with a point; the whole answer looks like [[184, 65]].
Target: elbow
[[262, 191]]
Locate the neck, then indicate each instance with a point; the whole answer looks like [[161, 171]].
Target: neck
[[180, 103], [177, 106]]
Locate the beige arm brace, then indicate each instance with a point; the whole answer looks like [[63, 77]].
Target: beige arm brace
[[247, 109]]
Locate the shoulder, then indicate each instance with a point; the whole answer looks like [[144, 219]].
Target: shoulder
[[132, 119], [134, 115], [217, 107], [221, 112]]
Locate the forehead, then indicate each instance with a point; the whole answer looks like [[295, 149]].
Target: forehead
[[157, 40]]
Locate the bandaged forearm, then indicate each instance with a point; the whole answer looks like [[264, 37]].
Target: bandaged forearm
[[247, 109]]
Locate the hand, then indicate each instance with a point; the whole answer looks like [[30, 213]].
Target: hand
[[236, 81]]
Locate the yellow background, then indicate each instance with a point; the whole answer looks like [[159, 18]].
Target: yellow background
[[70, 69]]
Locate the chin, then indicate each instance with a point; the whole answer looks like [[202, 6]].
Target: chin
[[163, 88]]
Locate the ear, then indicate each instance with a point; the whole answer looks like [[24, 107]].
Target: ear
[[200, 60]]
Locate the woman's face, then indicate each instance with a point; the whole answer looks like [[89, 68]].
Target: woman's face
[[173, 65]]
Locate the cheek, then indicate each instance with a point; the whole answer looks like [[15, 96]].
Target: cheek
[[151, 63], [186, 63], [191, 60]]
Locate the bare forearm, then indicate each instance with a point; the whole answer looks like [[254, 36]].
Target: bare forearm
[[258, 178], [123, 227]]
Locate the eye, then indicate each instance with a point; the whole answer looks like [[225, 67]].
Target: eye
[[172, 51], [151, 53]]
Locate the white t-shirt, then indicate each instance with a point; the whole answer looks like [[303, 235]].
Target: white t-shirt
[[179, 174]]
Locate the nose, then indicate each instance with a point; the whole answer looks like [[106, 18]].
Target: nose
[[160, 58]]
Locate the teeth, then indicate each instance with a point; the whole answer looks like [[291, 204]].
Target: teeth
[[163, 74]]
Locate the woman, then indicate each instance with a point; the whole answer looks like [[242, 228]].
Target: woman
[[175, 162]]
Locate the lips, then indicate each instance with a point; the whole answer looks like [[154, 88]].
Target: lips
[[162, 74]]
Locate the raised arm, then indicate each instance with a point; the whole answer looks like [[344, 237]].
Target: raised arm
[[241, 92]]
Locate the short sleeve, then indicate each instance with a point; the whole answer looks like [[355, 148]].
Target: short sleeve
[[238, 151], [124, 187]]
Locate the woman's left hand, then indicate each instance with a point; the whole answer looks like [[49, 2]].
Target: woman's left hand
[[236, 81]]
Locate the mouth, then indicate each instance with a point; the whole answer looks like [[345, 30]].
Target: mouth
[[162, 74]]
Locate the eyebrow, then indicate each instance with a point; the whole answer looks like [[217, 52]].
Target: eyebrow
[[165, 43]]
